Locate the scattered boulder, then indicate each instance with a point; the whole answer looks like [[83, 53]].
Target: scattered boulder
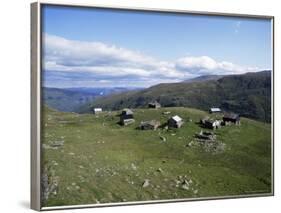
[[134, 167], [45, 146], [163, 138], [189, 144], [146, 183], [166, 113], [49, 184], [208, 141], [185, 186], [57, 143], [55, 163], [205, 135], [184, 182], [214, 147], [159, 170]]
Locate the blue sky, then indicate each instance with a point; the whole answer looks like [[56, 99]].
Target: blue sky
[[97, 47]]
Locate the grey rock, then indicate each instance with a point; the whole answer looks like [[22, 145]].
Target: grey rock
[[159, 170], [185, 186], [163, 138], [134, 167], [146, 183]]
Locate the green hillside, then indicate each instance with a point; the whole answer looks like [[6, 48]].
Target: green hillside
[[91, 159], [248, 94]]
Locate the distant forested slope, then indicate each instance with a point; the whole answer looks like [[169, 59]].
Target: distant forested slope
[[248, 94], [72, 99]]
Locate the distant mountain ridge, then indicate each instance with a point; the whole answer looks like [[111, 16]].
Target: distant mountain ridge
[[247, 94], [72, 99]]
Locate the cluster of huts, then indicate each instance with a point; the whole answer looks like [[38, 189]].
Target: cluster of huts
[[127, 117], [227, 119], [173, 122]]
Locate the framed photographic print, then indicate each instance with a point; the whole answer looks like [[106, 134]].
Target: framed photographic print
[[137, 105]]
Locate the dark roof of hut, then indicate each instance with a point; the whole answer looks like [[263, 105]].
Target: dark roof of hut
[[127, 111], [154, 103], [233, 116]]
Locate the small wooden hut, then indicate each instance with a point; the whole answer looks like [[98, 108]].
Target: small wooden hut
[[149, 125], [154, 104], [215, 110], [175, 122], [231, 118], [97, 110], [127, 117]]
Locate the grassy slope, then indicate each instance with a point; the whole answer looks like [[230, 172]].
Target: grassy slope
[[96, 163]]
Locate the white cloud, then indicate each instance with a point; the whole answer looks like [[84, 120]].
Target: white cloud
[[197, 63], [96, 57], [207, 65], [109, 62]]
